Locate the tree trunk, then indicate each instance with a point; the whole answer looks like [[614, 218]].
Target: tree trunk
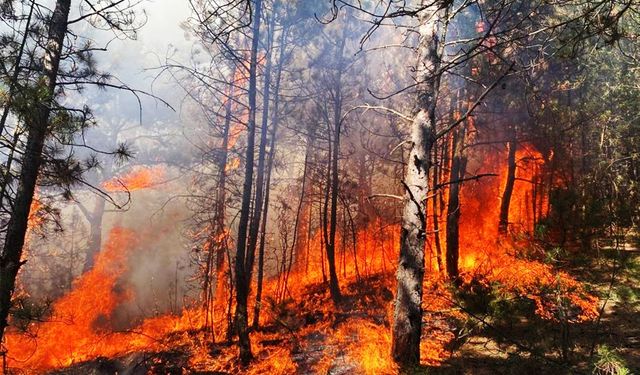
[[407, 324], [244, 260], [272, 150], [334, 287], [218, 248], [37, 126], [503, 224], [434, 206], [458, 166], [95, 239], [324, 209], [254, 228], [13, 83]]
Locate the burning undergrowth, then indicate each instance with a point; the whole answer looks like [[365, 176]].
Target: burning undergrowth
[[303, 333], [80, 326], [301, 330]]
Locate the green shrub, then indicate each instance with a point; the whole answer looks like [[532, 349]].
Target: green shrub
[[608, 362]]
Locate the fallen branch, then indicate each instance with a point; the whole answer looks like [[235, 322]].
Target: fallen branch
[[472, 178]]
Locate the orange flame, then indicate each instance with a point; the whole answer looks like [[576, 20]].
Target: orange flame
[[139, 178], [36, 215], [233, 164], [79, 330]]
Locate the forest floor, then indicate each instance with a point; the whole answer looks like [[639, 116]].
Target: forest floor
[[614, 276], [308, 336]]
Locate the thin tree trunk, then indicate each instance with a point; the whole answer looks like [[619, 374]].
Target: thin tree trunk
[[37, 127], [288, 267], [13, 83], [95, 239], [229, 300], [244, 261], [334, 287], [221, 198], [407, 322], [503, 224], [434, 207], [254, 228], [214, 266], [458, 162], [354, 237], [308, 239], [9, 164], [325, 209], [272, 150]]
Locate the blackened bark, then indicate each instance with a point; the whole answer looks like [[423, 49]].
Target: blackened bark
[[221, 198], [407, 324], [243, 260], [503, 224], [458, 166], [218, 248], [95, 238], [434, 207], [324, 210], [272, 150], [334, 287], [37, 127], [254, 228]]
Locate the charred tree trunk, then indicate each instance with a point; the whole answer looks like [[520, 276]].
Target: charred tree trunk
[[218, 248], [95, 239], [272, 150], [324, 209], [254, 228], [407, 324], [244, 261], [434, 206], [503, 225], [334, 287], [308, 238], [37, 127], [221, 198], [458, 166]]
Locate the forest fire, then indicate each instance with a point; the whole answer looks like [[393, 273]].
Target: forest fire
[[72, 336], [79, 328], [341, 187]]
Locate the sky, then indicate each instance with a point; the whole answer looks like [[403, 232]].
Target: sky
[[133, 61]]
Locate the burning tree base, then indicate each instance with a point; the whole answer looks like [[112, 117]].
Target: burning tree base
[[303, 335], [302, 332]]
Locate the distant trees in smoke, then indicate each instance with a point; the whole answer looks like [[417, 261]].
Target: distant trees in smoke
[[44, 60]]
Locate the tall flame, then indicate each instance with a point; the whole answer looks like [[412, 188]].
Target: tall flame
[[79, 327]]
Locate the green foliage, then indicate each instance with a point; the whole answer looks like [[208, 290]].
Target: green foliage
[[608, 362], [627, 295], [541, 230], [554, 255], [495, 301]]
